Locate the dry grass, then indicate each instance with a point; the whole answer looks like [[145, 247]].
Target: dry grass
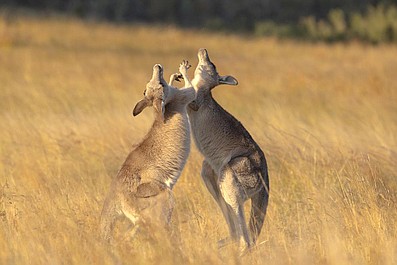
[[325, 116]]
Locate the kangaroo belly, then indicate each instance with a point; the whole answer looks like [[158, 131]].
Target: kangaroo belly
[[218, 137], [178, 137], [218, 148]]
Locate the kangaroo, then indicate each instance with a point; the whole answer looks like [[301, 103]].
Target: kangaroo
[[234, 169], [142, 189]]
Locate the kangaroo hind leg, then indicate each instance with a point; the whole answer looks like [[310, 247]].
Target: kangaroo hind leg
[[259, 204], [108, 218], [211, 182], [233, 195]]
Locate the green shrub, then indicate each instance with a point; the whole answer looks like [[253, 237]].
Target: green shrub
[[270, 28], [308, 26], [215, 24], [324, 30], [358, 26], [376, 24], [379, 24], [391, 18], [337, 20], [265, 28]]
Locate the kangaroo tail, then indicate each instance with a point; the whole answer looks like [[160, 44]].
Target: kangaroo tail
[[259, 204]]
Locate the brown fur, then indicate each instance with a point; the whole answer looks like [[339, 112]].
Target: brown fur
[[142, 189], [234, 169]]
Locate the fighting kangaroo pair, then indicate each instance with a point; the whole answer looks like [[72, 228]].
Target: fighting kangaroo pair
[[234, 169]]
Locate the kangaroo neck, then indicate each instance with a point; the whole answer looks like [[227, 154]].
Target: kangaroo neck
[[202, 102]]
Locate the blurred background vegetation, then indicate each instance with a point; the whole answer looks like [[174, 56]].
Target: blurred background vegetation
[[373, 21]]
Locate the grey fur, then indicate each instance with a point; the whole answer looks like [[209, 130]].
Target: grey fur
[[234, 169], [142, 189]]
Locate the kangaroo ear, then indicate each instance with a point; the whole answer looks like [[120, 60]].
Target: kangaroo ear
[[140, 106], [228, 80]]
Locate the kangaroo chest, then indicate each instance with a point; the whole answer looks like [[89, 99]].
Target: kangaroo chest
[[175, 149], [212, 138]]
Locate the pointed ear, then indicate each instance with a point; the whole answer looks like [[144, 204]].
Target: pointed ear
[[159, 107], [228, 80], [140, 106]]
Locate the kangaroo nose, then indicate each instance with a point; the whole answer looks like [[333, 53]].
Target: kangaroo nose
[[203, 55], [157, 72]]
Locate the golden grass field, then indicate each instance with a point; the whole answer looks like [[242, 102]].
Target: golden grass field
[[324, 115]]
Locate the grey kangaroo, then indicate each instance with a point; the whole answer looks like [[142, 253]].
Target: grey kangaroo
[[234, 169], [142, 189]]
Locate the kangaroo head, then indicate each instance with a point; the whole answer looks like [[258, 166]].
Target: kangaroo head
[[206, 76], [155, 93]]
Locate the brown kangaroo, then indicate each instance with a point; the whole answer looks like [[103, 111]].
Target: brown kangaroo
[[234, 169]]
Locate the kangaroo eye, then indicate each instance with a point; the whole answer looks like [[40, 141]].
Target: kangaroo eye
[[144, 92]]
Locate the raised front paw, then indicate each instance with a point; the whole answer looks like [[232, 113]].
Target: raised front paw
[[183, 67], [175, 77]]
